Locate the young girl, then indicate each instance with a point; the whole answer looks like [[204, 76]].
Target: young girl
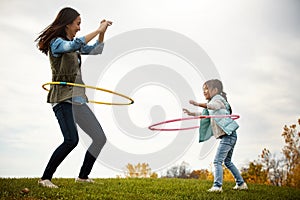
[[222, 128], [69, 104]]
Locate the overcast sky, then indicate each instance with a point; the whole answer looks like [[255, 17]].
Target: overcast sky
[[254, 45]]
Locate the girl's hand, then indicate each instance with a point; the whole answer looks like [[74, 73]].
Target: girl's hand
[[194, 103], [188, 112]]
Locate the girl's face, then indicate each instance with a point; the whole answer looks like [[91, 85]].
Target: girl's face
[[72, 29], [209, 92]]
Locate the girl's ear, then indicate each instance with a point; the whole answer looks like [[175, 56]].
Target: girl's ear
[[216, 91]]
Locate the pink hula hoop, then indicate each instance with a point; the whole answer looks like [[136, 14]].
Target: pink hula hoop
[[234, 117]]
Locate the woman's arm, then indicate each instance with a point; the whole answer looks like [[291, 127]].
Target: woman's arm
[[101, 31], [104, 24], [59, 45], [97, 47]]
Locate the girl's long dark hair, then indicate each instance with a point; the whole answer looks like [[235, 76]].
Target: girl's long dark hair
[[56, 29], [216, 83]]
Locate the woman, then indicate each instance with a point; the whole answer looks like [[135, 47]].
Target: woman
[[69, 104]]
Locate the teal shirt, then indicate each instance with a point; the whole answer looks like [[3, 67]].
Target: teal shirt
[[227, 124]]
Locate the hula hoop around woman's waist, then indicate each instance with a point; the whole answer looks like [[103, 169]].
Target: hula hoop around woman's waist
[[92, 87]]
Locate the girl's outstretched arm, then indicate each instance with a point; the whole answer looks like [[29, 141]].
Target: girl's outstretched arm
[[203, 105], [189, 113]]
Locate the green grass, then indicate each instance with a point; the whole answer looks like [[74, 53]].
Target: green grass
[[138, 189]]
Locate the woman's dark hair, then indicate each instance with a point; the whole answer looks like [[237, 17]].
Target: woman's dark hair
[[216, 83], [56, 29]]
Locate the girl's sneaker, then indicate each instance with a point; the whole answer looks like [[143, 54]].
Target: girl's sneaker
[[46, 183], [215, 189], [80, 180], [241, 187]]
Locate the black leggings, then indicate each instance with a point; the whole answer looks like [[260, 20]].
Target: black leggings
[[68, 116]]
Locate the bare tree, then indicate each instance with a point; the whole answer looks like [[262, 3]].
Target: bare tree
[[181, 171], [274, 167], [284, 170]]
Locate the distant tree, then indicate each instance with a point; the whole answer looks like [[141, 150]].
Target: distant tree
[[274, 167], [181, 171], [184, 170], [131, 171], [154, 175], [195, 174], [284, 170], [255, 173], [139, 171], [295, 178], [173, 172], [200, 174], [291, 152]]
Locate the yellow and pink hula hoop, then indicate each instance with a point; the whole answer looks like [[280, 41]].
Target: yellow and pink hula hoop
[[152, 127], [95, 88]]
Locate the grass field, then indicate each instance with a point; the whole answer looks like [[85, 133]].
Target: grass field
[[138, 189]]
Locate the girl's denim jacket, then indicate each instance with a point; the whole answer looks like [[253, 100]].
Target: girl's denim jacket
[[227, 124]]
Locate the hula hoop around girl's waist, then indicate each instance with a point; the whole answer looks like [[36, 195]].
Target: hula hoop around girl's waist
[[234, 117]]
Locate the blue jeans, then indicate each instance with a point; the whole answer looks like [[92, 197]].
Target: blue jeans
[[224, 154], [68, 116]]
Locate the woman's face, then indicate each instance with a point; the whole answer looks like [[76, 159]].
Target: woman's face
[[209, 92], [72, 29]]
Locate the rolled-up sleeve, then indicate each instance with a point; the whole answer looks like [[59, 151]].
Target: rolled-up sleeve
[[59, 46], [95, 49]]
